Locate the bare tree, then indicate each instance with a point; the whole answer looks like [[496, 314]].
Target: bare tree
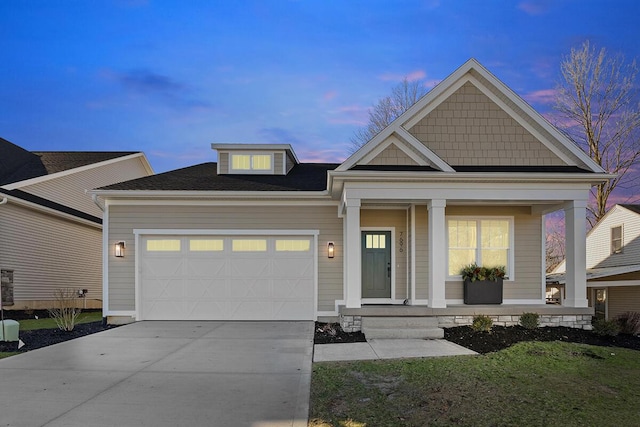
[[403, 95], [598, 97], [555, 244]]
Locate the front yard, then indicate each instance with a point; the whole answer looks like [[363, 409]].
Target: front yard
[[530, 383]]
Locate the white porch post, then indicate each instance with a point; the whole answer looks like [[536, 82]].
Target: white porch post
[[576, 254], [437, 252], [352, 258]]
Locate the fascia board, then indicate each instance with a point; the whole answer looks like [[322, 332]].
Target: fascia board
[[44, 178], [48, 211], [470, 176], [178, 194]]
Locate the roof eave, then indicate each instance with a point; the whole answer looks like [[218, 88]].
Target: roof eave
[[193, 194]]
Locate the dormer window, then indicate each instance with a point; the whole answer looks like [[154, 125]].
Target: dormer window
[[248, 163]]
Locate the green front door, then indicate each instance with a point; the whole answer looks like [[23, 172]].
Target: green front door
[[376, 264]]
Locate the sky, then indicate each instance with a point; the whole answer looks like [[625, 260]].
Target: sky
[[171, 77]]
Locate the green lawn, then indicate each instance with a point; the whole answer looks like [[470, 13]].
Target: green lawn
[[48, 323], [532, 384]]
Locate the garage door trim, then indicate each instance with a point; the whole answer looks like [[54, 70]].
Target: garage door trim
[[139, 233]]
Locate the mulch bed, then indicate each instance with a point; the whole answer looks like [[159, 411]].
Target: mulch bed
[[502, 337], [45, 337], [499, 338]]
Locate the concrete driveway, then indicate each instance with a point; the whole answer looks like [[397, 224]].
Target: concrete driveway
[[165, 374]]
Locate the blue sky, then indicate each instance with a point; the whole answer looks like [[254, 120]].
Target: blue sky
[[171, 77]]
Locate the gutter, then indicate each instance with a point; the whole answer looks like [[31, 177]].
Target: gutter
[[4, 200]]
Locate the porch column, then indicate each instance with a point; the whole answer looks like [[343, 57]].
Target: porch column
[[437, 253], [576, 254], [352, 258]]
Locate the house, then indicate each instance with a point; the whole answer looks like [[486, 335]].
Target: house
[[50, 228], [464, 175], [613, 264]]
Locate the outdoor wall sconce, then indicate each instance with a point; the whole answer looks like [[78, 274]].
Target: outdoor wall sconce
[[330, 250], [119, 249]]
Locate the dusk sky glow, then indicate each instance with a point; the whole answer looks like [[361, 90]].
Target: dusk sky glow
[[169, 78]]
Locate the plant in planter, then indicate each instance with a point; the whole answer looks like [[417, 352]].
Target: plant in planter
[[483, 285]]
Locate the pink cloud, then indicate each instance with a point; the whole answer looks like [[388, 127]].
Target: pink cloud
[[544, 96], [534, 7], [412, 76], [330, 95]]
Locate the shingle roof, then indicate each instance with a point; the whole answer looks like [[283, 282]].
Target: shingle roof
[[23, 195], [58, 161], [18, 164], [632, 208], [204, 177]]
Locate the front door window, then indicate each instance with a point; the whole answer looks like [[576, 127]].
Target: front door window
[[376, 264]]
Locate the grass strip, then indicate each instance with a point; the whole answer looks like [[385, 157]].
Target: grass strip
[[531, 383]]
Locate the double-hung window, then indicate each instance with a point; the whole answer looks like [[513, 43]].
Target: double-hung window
[[251, 163], [487, 242], [616, 240]]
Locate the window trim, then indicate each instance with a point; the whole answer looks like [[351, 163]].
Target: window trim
[[621, 250], [251, 170], [510, 276]]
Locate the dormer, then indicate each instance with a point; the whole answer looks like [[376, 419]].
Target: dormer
[[255, 159]]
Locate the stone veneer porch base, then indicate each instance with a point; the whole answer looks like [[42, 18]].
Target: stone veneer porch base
[[460, 315]]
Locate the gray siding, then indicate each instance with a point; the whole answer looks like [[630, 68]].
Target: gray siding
[[124, 219], [622, 299], [223, 163], [48, 253], [69, 190], [422, 253], [290, 162], [278, 163]]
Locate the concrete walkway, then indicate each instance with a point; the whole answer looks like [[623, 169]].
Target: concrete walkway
[[159, 374], [387, 349]]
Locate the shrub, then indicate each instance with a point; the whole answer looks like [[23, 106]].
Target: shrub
[[530, 320], [64, 311], [606, 327], [474, 272], [629, 322], [482, 323]]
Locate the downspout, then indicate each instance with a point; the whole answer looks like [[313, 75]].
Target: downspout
[[4, 200], [95, 199]]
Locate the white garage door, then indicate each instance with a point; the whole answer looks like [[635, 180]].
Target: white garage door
[[227, 277]]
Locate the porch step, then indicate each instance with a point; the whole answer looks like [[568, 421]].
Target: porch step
[[401, 327]]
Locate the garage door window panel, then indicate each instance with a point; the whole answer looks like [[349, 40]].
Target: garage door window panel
[[293, 245], [206, 245], [249, 245], [163, 245]]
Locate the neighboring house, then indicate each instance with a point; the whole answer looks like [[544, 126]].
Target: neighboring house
[[613, 264], [50, 228], [464, 175]]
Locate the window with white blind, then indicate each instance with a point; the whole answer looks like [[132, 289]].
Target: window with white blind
[[486, 241]]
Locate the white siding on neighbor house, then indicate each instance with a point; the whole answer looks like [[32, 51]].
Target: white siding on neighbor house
[[69, 190], [599, 240], [124, 219], [527, 255], [396, 218], [48, 253]]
